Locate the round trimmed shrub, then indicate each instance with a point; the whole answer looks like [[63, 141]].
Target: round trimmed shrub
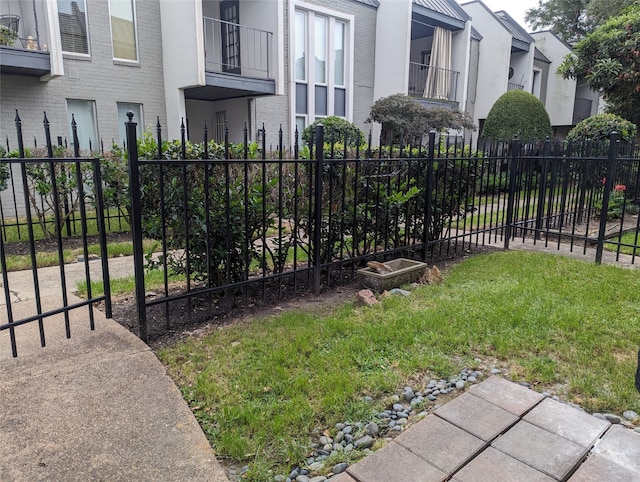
[[517, 114], [600, 126], [337, 127]]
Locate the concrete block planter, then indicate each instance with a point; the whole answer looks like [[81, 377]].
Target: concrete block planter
[[403, 271]]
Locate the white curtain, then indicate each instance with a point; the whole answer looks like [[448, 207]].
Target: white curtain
[[439, 74]]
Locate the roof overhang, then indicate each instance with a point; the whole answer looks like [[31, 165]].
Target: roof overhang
[[424, 21]]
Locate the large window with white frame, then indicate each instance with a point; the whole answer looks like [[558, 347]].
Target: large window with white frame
[[123, 30], [320, 65], [74, 36]]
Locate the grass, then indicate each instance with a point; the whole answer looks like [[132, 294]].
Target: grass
[[44, 259], [154, 280], [632, 239], [260, 388]]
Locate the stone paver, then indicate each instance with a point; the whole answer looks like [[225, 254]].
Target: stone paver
[[568, 422], [622, 446], [478, 437], [394, 462], [597, 469], [496, 466], [454, 446], [510, 396], [477, 416], [545, 451]]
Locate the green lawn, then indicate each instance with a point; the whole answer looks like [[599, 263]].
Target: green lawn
[[260, 388]]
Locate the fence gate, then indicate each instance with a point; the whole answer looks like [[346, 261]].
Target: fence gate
[[581, 198], [52, 240]]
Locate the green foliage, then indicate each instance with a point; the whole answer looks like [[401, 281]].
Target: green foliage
[[5, 171], [616, 203], [609, 60], [336, 129], [404, 116], [571, 20], [517, 114], [600, 126], [8, 36]]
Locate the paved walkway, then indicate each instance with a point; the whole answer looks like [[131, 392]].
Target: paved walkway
[[501, 431], [98, 406]]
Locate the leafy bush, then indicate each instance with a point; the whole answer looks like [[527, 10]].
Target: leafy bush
[[336, 129], [517, 114], [600, 126], [409, 120]]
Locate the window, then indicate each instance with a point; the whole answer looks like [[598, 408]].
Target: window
[[219, 126], [123, 108], [72, 15], [84, 113], [123, 30], [321, 84]]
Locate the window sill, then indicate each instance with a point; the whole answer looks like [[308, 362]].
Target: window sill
[[126, 63]]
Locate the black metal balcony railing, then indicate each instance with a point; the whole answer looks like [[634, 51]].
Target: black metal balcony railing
[[235, 49], [512, 86], [432, 82]]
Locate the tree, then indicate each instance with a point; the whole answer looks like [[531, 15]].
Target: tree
[[609, 61], [567, 18], [600, 126], [517, 114], [402, 115], [572, 20]]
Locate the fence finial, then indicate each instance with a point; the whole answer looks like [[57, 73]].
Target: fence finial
[[130, 115]]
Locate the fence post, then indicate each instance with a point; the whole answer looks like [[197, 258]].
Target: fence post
[[512, 191], [608, 187], [317, 224], [136, 223], [427, 195]]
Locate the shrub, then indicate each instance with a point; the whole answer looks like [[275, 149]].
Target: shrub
[[401, 115], [600, 126], [517, 114], [336, 129]]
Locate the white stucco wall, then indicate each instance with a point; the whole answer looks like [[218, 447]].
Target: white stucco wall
[[392, 48], [494, 58], [561, 92], [461, 57], [182, 54]]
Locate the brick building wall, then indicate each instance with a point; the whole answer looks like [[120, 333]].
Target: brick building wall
[[97, 77]]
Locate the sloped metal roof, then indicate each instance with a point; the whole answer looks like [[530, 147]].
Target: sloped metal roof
[[475, 35], [514, 28], [370, 3], [448, 8], [538, 55]]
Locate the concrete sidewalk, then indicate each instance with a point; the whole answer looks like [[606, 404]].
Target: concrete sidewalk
[[97, 406], [500, 431]]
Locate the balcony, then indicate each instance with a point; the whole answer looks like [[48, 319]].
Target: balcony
[[237, 62], [26, 52], [433, 85], [514, 86]]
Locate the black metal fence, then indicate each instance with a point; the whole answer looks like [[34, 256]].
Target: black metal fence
[[46, 184], [236, 224], [234, 229]]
